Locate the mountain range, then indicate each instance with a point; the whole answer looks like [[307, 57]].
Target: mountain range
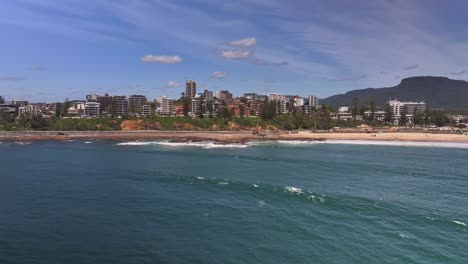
[[438, 93]]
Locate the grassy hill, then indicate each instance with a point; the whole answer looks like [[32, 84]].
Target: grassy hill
[[438, 92]]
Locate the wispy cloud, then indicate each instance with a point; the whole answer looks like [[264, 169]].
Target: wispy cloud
[[173, 84], [270, 81], [350, 78], [37, 68], [237, 54], [10, 78], [458, 72], [218, 75], [262, 62], [411, 67], [246, 42], [164, 59]]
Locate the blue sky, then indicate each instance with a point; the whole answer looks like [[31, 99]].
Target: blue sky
[[52, 50]]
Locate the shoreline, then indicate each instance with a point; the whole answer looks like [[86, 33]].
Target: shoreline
[[227, 137]]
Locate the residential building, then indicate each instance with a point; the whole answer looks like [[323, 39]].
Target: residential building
[[2, 100], [313, 101], [105, 104], [146, 110], [255, 107], [190, 89], [92, 98], [208, 95], [410, 108], [198, 104], [9, 108], [19, 102], [91, 109], [135, 103], [281, 102], [166, 106], [250, 97], [344, 113], [224, 95], [77, 108], [120, 105]]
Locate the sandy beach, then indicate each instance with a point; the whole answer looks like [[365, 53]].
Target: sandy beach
[[228, 136]]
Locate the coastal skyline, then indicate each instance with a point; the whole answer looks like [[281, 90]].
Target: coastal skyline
[[67, 49]]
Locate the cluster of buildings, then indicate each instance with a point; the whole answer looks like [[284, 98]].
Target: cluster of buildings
[[206, 103], [249, 104], [397, 108]]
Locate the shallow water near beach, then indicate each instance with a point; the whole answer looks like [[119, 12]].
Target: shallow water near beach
[[263, 202]]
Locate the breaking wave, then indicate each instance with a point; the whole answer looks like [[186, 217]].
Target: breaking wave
[[203, 144]]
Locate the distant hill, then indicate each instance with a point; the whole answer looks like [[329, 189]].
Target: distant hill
[[437, 92]]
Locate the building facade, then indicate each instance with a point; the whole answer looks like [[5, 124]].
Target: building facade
[[190, 89], [135, 103], [409, 108], [313, 101], [166, 106], [120, 105], [91, 109]]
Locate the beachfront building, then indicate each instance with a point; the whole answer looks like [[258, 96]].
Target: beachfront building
[[135, 104], [120, 105], [198, 105], [105, 104], [410, 109], [166, 106], [2, 100], [91, 109], [344, 113], [76, 108], [146, 110], [190, 89], [281, 102]]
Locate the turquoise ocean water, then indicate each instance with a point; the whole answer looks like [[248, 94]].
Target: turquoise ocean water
[[273, 202]]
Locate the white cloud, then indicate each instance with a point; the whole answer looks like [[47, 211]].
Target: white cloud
[[246, 42], [173, 84], [236, 54], [218, 75], [161, 59]]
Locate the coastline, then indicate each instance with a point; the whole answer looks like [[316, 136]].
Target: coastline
[[227, 137]]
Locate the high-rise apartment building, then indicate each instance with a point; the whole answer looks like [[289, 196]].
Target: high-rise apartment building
[[190, 89], [91, 109], [105, 104], [313, 101], [166, 106], [92, 97], [120, 105], [410, 109], [135, 103], [2, 100]]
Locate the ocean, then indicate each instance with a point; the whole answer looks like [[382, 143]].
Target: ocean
[[264, 202]]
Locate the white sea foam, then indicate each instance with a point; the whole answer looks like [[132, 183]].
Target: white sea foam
[[403, 235], [223, 183], [459, 223], [293, 189], [204, 144], [88, 142], [378, 143], [255, 185], [200, 178]]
